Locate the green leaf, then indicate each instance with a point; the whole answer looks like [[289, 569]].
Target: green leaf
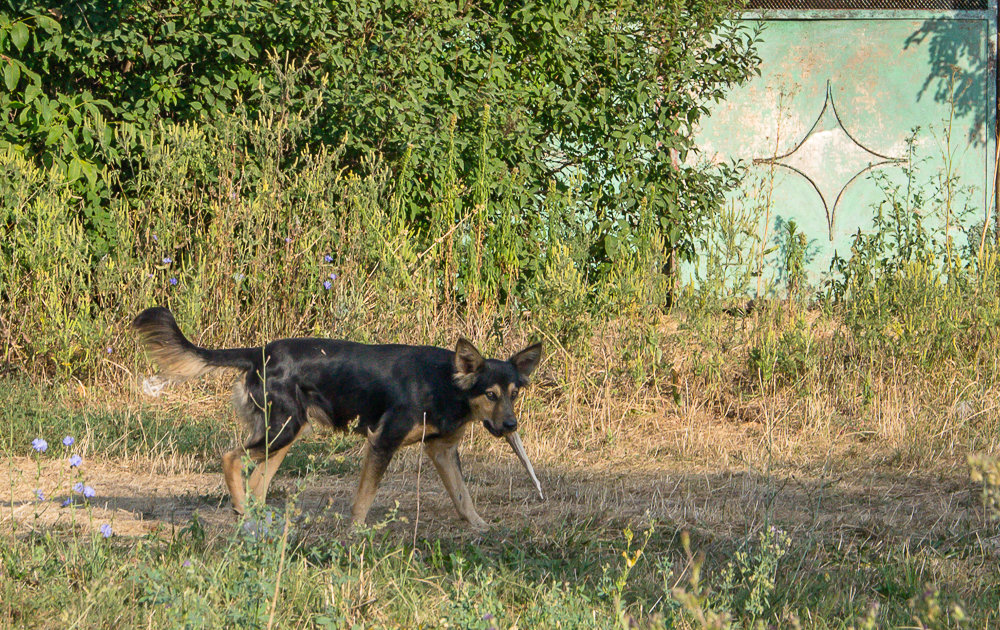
[[73, 169], [611, 245], [47, 23], [19, 35], [55, 133], [31, 91], [11, 75]]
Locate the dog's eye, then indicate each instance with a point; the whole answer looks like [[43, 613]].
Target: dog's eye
[[513, 395], [491, 395]]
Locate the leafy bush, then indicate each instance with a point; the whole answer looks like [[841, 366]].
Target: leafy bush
[[549, 90]]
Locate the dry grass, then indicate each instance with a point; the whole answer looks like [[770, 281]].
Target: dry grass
[[726, 460]]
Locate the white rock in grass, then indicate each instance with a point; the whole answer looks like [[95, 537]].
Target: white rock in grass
[[153, 386]]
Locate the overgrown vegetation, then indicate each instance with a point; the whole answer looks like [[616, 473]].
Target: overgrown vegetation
[[823, 456]]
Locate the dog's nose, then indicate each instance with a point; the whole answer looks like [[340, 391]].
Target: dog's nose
[[509, 425]]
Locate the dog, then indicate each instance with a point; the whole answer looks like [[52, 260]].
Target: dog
[[398, 395]]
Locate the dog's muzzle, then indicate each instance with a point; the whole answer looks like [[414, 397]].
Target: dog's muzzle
[[508, 426], [493, 430]]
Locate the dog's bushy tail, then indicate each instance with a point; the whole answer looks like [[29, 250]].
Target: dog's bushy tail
[[178, 358]]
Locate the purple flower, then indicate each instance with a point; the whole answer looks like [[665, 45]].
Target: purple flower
[[186, 563], [68, 440], [39, 495], [67, 501], [109, 349], [106, 531], [167, 260], [328, 258], [333, 276], [327, 284], [288, 239], [39, 445], [78, 487], [156, 238], [173, 281], [75, 460], [88, 492]]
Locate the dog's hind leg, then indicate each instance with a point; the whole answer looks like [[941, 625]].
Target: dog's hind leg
[[444, 454]]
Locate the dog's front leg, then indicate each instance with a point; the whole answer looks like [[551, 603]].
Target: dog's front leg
[[444, 455], [374, 465], [232, 469], [262, 475]]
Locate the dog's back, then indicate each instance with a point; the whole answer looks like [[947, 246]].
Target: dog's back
[[333, 381], [338, 381]]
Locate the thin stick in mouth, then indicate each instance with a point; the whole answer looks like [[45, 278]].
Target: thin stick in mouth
[[515, 443]]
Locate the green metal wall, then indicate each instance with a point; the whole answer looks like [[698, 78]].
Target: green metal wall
[[838, 96]]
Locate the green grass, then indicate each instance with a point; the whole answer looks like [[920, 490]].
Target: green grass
[[114, 433], [567, 579]]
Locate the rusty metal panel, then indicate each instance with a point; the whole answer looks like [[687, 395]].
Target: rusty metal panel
[[840, 92]]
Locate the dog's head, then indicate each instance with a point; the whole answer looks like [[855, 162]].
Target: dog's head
[[492, 385]]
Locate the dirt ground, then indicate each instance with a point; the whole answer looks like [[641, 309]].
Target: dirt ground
[[842, 503]]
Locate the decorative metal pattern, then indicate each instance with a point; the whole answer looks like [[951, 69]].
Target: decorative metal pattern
[[830, 158], [867, 5]]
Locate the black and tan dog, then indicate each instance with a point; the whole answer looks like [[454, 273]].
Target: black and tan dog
[[399, 394]]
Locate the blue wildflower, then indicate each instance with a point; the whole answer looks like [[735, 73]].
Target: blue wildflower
[[328, 258], [39, 445], [109, 349], [75, 461], [88, 492], [67, 501], [39, 495], [78, 487], [167, 260], [288, 239], [106, 531], [186, 563], [156, 238], [173, 281], [68, 440], [327, 284], [333, 276]]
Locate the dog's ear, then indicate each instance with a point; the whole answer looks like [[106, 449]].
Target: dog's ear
[[527, 360], [468, 363]]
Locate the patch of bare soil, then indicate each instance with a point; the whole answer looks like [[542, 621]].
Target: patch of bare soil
[[838, 505]]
